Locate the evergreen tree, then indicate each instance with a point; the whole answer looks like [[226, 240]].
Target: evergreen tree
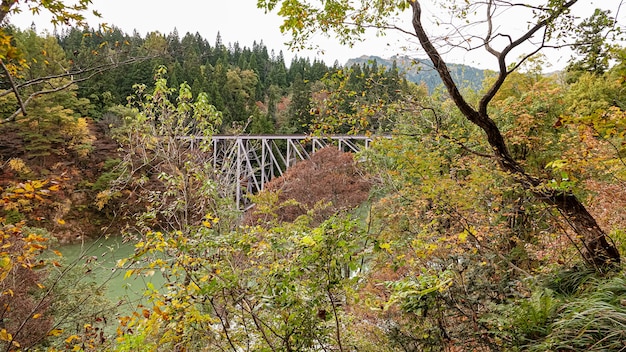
[[299, 108], [592, 43], [278, 71], [174, 47]]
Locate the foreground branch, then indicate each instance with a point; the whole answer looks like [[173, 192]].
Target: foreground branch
[[85, 73], [14, 88], [598, 251]]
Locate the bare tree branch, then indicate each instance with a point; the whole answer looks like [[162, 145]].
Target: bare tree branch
[[599, 252], [542, 24], [14, 87], [91, 72], [489, 35]]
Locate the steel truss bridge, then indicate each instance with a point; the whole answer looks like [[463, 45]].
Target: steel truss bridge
[[250, 161]]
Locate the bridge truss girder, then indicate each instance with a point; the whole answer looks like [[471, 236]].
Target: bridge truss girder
[[249, 162]]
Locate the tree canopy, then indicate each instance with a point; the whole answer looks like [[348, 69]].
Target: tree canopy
[[548, 26], [478, 218]]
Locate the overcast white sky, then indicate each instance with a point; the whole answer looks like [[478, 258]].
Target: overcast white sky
[[241, 21]]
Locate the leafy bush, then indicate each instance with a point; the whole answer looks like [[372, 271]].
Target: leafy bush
[[111, 171], [522, 321], [330, 180]]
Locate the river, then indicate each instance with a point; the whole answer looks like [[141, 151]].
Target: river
[[99, 261]]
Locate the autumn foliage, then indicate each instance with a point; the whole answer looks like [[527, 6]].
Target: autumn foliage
[[470, 238], [330, 182], [22, 303]]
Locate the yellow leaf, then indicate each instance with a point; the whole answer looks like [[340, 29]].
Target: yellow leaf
[[5, 336], [463, 236], [54, 188], [36, 316], [128, 274], [5, 270], [61, 221], [72, 338], [28, 187], [5, 262], [308, 241], [55, 332], [39, 183]]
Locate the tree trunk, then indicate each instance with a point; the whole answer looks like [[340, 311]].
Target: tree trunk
[[596, 250]]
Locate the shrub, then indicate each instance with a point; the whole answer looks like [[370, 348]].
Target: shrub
[[330, 181]]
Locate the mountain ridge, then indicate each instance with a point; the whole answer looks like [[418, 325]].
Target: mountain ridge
[[421, 71]]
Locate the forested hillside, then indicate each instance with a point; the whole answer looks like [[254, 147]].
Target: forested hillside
[[91, 75], [254, 88], [487, 213], [421, 71]]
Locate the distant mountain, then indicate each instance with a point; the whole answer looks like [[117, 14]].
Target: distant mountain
[[418, 71]]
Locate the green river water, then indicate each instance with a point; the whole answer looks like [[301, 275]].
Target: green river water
[[97, 259]]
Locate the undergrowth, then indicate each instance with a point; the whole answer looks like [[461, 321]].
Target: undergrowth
[[572, 310], [592, 319]]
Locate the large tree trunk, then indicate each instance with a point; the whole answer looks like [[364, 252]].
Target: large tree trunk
[[596, 249]]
